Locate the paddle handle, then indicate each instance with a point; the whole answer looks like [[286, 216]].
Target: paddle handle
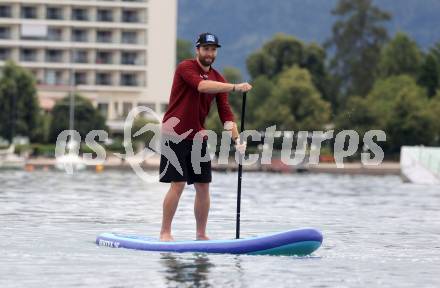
[[240, 171]]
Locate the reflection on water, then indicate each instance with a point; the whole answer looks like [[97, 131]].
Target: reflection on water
[[378, 231], [193, 271]]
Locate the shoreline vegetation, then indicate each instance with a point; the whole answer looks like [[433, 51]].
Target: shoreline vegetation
[[277, 166]]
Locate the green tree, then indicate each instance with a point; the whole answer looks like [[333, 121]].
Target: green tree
[[18, 103], [262, 90], [435, 109], [396, 105], [357, 38], [435, 51], [413, 123], [358, 115], [281, 53], [429, 75], [295, 104], [184, 50], [382, 97], [285, 51], [233, 75], [42, 128], [87, 118], [314, 61], [400, 56]]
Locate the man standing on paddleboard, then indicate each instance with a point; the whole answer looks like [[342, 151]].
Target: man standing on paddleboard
[[195, 85]]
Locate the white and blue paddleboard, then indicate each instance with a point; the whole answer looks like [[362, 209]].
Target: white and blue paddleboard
[[298, 242]]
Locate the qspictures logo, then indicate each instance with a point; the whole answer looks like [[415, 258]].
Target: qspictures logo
[[346, 144]]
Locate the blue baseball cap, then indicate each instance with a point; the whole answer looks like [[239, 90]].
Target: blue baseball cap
[[207, 39]]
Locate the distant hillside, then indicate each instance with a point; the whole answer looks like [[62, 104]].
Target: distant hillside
[[244, 25]]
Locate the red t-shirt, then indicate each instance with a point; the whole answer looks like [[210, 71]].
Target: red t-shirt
[[191, 106]]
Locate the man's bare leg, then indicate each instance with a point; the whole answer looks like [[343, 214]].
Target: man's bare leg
[[169, 209], [201, 209]]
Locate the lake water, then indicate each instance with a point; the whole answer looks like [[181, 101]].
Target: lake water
[[378, 231]]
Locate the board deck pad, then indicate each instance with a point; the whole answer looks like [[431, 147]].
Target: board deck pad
[[298, 242]]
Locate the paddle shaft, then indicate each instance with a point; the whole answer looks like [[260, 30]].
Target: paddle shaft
[[240, 171]]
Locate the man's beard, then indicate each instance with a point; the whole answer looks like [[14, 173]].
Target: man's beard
[[206, 63]]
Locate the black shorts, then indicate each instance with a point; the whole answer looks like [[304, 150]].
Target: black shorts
[[169, 173]]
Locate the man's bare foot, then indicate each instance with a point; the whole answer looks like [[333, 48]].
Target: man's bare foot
[[202, 237], [166, 237]]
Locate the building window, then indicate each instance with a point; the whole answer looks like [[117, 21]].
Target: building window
[[28, 55], [80, 78], [54, 34], [80, 14], [5, 33], [103, 79], [5, 54], [130, 16], [80, 56], [79, 35], [104, 36], [53, 77], [29, 12], [116, 109], [5, 11], [128, 79], [53, 55], [129, 37], [129, 58], [54, 13], [104, 15], [103, 109], [126, 108], [104, 57]]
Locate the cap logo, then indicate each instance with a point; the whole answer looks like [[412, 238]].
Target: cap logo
[[210, 38]]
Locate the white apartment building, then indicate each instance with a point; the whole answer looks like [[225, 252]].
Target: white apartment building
[[117, 53]]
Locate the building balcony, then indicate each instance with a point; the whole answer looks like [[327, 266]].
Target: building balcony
[[129, 80], [104, 58], [5, 54], [104, 16], [80, 14], [129, 38], [5, 11], [54, 56], [80, 78], [104, 37], [80, 38], [130, 16], [29, 12], [53, 13], [54, 35], [28, 55], [80, 59], [104, 79], [5, 33]]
